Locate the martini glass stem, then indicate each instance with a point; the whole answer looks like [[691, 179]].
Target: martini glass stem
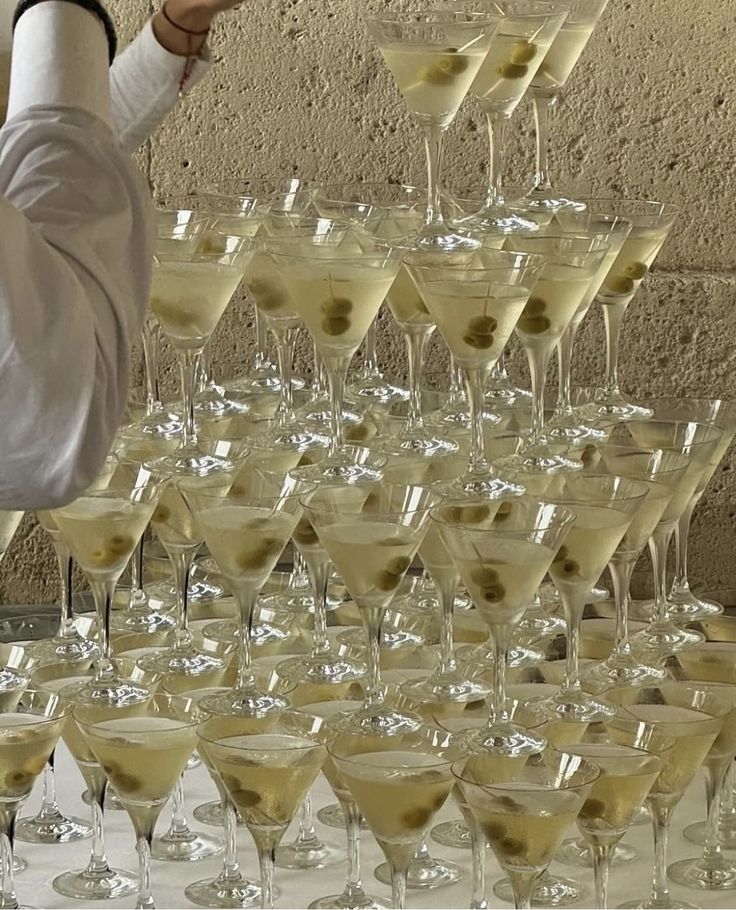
[[370, 357], [102, 592], [67, 629], [565, 348], [496, 135], [613, 317], [621, 569], [501, 640], [230, 873], [285, 343], [246, 598], [261, 340], [372, 618], [320, 577], [416, 343], [446, 596], [398, 886], [523, 885], [151, 338], [266, 863], [680, 583], [181, 563], [573, 602], [143, 848], [321, 383], [715, 780], [433, 141], [544, 105], [538, 363], [7, 833], [337, 369], [188, 371], [661, 817], [601, 854], [658, 545], [478, 848], [475, 380], [353, 894]]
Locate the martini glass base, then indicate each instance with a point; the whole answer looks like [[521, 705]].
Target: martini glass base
[[159, 424], [614, 407], [192, 461], [105, 886], [143, 622], [323, 670], [518, 657], [296, 602], [669, 903], [424, 874], [502, 393], [425, 444], [661, 639], [571, 432], [691, 610], [333, 817], [545, 200], [485, 487], [64, 649], [455, 834], [446, 689], [188, 847], [500, 218], [184, 661], [374, 388], [695, 834], [575, 852], [224, 892], [353, 900], [212, 814], [245, 703], [552, 891], [623, 670], [717, 875], [576, 705], [104, 691], [317, 855], [442, 239], [380, 720], [52, 828], [504, 739]]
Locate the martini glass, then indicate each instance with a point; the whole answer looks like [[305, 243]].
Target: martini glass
[[143, 756], [565, 424], [651, 222], [102, 529], [661, 472], [573, 262], [695, 717], [698, 442], [338, 294], [385, 210], [434, 57], [525, 812], [546, 86], [399, 783], [712, 671], [372, 534], [476, 310], [684, 605], [518, 49], [605, 507], [630, 758], [502, 560], [267, 775], [266, 285], [28, 736], [188, 298], [246, 536]]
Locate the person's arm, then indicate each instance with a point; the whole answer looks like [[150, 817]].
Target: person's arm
[[167, 57], [75, 260]]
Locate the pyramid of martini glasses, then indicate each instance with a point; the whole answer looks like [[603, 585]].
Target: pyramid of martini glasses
[[399, 590]]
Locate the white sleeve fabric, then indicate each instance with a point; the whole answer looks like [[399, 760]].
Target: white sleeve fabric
[[75, 262], [145, 84]]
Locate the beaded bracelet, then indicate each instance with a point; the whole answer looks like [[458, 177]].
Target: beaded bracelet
[[191, 56]]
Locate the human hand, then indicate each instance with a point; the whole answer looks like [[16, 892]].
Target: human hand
[[191, 16]]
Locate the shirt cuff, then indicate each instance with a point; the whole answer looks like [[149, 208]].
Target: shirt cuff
[[160, 65], [60, 57]]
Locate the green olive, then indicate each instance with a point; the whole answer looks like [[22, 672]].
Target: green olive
[[416, 819], [244, 799], [250, 560], [535, 306], [593, 808], [495, 594], [636, 270], [493, 830], [19, 781], [212, 246], [509, 846], [561, 554], [161, 514], [268, 297], [482, 325], [172, 314], [474, 515], [337, 306], [398, 565], [478, 342], [359, 432], [452, 63], [512, 70], [305, 533], [387, 581], [335, 325], [620, 284], [103, 559], [568, 568], [534, 325], [121, 543], [523, 52], [484, 577], [125, 783], [434, 75]]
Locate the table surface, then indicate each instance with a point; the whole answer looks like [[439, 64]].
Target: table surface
[[299, 888]]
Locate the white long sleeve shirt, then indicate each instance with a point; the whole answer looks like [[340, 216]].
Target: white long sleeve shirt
[[75, 256]]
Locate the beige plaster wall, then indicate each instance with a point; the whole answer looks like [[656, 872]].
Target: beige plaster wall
[[650, 110]]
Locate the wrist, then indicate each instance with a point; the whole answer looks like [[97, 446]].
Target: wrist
[[173, 27], [190, 15]]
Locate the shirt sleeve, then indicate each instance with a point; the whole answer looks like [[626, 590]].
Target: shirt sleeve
[[75, 260], [145, 83]]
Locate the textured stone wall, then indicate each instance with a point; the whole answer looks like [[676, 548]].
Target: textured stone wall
[[649, 111]]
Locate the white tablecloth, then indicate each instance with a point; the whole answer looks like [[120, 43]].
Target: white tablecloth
[[298, 888]]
